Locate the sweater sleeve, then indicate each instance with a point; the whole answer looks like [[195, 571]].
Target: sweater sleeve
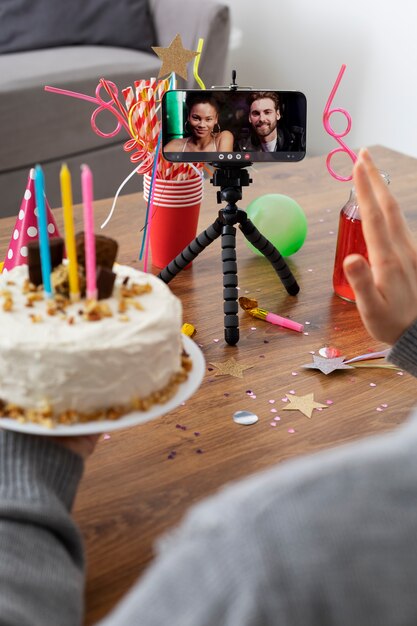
[[404, 352], [41, 564]]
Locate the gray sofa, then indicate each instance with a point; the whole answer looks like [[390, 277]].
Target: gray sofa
[[41, 127]]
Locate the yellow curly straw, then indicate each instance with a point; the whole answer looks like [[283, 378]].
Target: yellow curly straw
[[196, 64]]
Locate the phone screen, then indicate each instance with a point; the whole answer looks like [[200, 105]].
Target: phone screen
[[234, 126]]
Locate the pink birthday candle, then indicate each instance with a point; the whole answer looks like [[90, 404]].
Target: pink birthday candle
[[89, 239]]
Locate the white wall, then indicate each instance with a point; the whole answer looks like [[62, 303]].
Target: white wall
[[301, 44]]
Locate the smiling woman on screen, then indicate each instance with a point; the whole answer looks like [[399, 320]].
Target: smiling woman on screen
[[202, 127]]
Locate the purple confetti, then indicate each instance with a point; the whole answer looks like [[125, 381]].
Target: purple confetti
[[197, 434], [199, 451], [266, 341]]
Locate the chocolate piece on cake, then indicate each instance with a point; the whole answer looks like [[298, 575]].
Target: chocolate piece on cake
[[105, 281], [56, 246], [106, 250]]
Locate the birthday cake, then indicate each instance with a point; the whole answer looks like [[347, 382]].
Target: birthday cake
[[69, 362]]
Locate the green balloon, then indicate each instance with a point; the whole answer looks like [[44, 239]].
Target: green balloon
[[281, 220]]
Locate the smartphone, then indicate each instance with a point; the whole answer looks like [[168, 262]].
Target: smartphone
[[237, 126]]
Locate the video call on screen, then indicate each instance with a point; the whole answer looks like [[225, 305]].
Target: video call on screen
[[234, 110]]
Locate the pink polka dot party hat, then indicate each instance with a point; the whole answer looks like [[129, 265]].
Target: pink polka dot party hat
[[26, 227]]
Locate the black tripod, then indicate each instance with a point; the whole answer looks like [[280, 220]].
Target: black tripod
[[231, 179]]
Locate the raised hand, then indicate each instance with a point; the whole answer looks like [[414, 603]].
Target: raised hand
[[386, 287]]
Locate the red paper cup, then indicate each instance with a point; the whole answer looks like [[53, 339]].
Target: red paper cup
[[173, 184], [174, 217]]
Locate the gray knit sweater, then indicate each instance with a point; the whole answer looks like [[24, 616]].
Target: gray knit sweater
[[325, 540]]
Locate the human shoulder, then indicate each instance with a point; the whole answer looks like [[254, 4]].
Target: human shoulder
[[176, 145], [225, 141]]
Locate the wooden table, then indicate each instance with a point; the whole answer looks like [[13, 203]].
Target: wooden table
[[132, 492]]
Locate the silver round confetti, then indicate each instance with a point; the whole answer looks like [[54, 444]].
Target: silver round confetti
[[245, 418]]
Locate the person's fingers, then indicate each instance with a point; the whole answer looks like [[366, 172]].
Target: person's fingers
[[374, 225], [391, 210], [83, 445], [368, 299]]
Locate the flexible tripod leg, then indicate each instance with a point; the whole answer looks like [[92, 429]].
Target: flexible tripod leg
[[190, 252], [260, 242], [230, 293]]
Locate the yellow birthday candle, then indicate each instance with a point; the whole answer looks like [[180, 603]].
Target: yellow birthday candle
[[66, 195]]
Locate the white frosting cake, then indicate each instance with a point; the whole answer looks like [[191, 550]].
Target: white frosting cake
[[70, 361]]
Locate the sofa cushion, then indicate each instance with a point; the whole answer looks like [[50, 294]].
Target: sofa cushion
[[41, 126], [38, 24]]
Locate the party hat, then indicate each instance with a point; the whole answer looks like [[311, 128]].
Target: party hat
[[26, 227]]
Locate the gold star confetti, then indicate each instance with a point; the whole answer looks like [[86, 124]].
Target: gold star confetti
[[174, 58], [231, 367], [304, 404]]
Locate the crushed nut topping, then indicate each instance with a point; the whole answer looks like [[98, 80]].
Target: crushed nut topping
[[36, 319], [8, 303], [134, 290], [95, 310]]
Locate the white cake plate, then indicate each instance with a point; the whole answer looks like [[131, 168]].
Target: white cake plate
[[185, 391]]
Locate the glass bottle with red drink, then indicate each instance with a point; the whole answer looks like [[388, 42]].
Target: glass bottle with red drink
[[350, 240]]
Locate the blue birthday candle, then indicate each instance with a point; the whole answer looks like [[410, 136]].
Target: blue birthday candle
[[44, 250]]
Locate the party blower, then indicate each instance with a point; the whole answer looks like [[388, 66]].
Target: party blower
[[250, 305]]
